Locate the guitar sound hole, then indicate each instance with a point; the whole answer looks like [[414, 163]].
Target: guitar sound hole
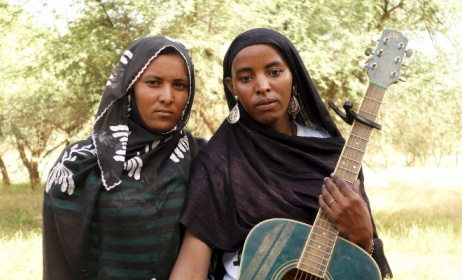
[[296, 274]]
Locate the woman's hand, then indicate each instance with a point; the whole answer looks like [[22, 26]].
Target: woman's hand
[[346, 209]]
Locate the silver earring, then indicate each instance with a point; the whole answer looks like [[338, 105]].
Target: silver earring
[[294, 106], [234, 114]]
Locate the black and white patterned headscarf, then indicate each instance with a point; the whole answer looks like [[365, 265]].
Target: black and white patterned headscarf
[[112, 136], [125, 180]]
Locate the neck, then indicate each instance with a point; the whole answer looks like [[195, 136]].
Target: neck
[[286, 127]]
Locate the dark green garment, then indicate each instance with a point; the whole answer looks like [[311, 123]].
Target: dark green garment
[[112, 202], [129, 232]]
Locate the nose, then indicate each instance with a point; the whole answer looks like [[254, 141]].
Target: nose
[[262, 84], [166, 94]]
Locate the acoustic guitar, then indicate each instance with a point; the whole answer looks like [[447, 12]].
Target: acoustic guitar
[[286, 249]]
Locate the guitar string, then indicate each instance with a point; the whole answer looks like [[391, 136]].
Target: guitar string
[[360, 135]]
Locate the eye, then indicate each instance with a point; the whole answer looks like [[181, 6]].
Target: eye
[[274, 72], [245, 79], [180, 85], [152, 82]]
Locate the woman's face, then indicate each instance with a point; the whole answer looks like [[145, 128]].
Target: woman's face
[[262, 80], [162, 92]]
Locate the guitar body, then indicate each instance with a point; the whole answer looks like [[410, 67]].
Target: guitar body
[[272, 250]]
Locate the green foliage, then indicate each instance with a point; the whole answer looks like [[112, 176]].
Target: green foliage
[[55, 74]]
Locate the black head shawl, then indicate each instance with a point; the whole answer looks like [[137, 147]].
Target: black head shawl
[[111, 128], [247, 174], [313, 113]]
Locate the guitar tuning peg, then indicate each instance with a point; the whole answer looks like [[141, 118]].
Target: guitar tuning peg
[[404, 64], [402, 79], [362, 64], [368, 51], [409, 52]]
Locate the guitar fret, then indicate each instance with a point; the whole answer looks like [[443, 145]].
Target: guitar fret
[[316, 256], [367, 112], [324, 224], [357, 136], [327, 241], [350, 165], [351, 147], [373, 99], [326, 227], [349, 171], [326, 237], [351, 159], [319, 243], [320, 264]]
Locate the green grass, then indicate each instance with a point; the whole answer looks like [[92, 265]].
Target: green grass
[[418, 215], [20, 209], [20, 232]]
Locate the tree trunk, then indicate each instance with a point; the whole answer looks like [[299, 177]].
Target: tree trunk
[[31, 165], [5, 178]]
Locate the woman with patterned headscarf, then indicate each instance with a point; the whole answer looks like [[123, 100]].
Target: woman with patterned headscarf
[[112, 202], [270, 159]]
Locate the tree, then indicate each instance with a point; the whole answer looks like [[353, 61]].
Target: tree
[[57, 91], [59, 73]]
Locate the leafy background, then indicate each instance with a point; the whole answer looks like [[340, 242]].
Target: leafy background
[[56, 57]]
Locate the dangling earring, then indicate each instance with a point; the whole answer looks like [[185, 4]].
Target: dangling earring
[[294, 106], [234, 114]]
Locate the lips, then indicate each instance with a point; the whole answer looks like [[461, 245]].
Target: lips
[[164, 112], [266, 104]]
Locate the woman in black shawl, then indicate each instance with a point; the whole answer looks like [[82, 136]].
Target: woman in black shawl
[[270, 159], [112, 202]]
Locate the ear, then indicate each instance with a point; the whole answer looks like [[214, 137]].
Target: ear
[[229, 84]]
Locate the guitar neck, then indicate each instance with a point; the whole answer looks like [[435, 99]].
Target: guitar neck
[[323, 236], [351, 158]]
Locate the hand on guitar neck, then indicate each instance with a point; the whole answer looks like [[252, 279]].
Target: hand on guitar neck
[[346, 209]]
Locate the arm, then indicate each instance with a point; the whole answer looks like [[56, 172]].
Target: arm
[[193, 260], [55, 265]]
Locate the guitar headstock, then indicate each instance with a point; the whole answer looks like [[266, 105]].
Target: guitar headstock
[[385, 65]]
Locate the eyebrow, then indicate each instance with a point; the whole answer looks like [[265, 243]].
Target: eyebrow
[[269, 65], [152, 76]]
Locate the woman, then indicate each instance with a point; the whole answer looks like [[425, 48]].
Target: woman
[[268, 160], [112, 202]]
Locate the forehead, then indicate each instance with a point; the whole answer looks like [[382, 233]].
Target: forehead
[[257, 55], [168, 62]]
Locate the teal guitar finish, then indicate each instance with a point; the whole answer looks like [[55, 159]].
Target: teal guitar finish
[[273, 248]]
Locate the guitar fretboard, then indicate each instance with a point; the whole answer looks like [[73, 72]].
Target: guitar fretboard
[[323, 236]]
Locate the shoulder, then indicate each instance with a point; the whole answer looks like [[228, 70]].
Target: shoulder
[[81, 149], [195, 143], [74, 158]]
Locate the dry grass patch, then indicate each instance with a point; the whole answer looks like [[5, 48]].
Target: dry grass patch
[[418, 215]]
